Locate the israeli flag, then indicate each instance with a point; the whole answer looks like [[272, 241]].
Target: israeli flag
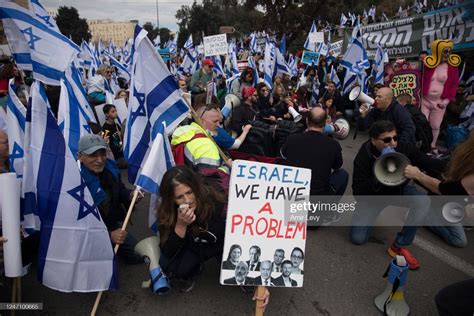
[[233, 58], [50, 51], [293, 64], [16, 130], [314, 92], [307, 44], [75, 252], [350, 80], [283, 44], [253, 42], [252, 65], [218, 69], [343, 20], [228, 82], [154, 98], [281, 67], [356, 57], [189, 43], [122, 69], [157, 41], [269, 63], [188, 62], [159, 160], [335, 78], [18, 45], [41, 13], [377, 71], [73, 118]]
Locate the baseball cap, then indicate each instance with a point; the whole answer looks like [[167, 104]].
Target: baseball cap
[[90, 144], [208, 62]]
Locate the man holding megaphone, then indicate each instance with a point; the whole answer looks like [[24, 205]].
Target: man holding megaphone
[[386, 107], [377, 175]]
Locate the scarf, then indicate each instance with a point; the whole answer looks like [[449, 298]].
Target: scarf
[[93, 181]]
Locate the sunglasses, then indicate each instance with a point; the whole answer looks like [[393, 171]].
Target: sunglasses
[[387, 140], [264, 90]]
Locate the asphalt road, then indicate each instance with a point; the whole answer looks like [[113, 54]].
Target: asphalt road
[[340, 278]]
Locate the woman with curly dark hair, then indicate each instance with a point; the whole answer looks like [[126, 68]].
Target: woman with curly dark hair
[[191, 223]]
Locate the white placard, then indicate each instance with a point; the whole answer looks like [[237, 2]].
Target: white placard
[[121, 111], [316, 37], [259, 218], [336, 48], [200, 49], [215, 45], [10, 203]]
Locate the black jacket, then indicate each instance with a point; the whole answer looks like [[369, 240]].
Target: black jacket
[[396, 114], [279, 281], [242, 115], [364, 181]]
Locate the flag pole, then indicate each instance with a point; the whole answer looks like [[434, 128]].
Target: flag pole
[[124, 226], [259, 295]]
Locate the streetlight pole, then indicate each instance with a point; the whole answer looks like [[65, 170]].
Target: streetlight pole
[[157, 19]]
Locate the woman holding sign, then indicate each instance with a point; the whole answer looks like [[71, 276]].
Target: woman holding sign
[[191, 225]]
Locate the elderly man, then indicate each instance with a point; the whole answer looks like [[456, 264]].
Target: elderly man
[[241, 272], [109, 193], [194, 148], [201, 77], [265, 274], [387, 108]]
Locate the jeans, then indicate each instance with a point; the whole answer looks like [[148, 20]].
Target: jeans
[[419, 207], [127, 251], [454, 235], [339, 179]]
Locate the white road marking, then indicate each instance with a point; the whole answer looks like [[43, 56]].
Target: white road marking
[[445, 256]]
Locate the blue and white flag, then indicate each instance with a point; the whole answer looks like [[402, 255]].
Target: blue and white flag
[[283, 44], [218, 69], [228, 82], [269, 63], [189, 43], [154, 98], [356, 57], [252, 65], [187, 66], [343, 20], [350, 80], [73, 117], [233, 58], [293, 64], [307, 44], [314, 92], [121, 68], [41, 13], [172, 44], [75, 252], [159, 160], [372, 11], [16, 130], [253, 42], [335, 78], [157, 41], [281, 67], [377, 71], [50, 51]]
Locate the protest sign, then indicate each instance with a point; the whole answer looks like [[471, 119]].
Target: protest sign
[[215, 45], [404, 78], [310, 57], [408, 37], [316, 37], [165, 54], [336, 48], [261, 225], [121, 111]]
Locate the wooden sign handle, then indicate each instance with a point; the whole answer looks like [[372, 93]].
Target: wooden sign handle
[[259, 293]]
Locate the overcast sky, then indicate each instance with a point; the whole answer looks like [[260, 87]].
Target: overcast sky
[[124, 10]]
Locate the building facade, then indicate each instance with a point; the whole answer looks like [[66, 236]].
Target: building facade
[[105, 30]]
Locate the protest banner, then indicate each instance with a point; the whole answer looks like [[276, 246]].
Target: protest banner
[[215, 45], [262, 225], [310, 58], [404, 78], [408, 37]]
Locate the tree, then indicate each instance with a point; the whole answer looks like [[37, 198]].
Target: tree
[[71, 25]]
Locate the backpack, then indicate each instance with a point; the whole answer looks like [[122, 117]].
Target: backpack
[[423, 132], [178, 150]]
